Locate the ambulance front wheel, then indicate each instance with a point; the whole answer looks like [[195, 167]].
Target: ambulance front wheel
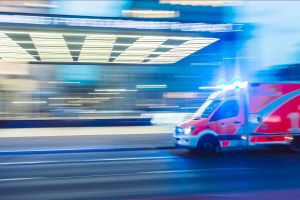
[[295, 146], [208, 144]]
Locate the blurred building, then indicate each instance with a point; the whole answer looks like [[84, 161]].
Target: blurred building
[[106, 58]]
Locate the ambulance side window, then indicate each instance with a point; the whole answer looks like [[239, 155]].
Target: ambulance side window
[[227, 110]]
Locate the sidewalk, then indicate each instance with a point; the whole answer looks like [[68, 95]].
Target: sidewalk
[[90, 139], [84, 131]]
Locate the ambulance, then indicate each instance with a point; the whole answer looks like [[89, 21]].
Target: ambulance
[[244, 115]]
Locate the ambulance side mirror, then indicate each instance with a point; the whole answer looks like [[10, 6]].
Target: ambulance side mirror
[[255, 118], [258, 118]]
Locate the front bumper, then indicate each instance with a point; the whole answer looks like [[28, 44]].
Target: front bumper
[[186, 141]]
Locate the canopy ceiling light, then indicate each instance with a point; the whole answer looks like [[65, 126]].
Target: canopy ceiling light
[[97, 48], [213, 3]]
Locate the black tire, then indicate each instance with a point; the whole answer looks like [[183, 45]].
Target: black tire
[[295, 146], [279, 148], [208, 144]]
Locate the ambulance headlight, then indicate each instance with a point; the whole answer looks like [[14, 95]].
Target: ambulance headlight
[[188, 130]]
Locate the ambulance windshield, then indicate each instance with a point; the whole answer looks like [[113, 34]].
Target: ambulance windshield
[[206, 109]]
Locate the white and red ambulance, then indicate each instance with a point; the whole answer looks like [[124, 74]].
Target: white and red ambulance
[[243, 115]]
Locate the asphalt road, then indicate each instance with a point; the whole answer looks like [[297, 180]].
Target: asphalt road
[[150, 174]]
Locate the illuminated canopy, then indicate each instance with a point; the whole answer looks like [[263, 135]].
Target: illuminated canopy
[[97, 48]]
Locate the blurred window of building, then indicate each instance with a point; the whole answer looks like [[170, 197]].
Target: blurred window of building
[[26, 6], [103, 8], [150, 13], [202, 2], [10, 68]]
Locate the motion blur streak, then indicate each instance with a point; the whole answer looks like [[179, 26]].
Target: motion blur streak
[[98, 96]]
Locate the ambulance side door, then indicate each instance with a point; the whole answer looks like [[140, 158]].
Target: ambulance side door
[[229, 122]]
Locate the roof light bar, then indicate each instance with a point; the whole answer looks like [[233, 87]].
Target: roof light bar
[[235, 85]]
